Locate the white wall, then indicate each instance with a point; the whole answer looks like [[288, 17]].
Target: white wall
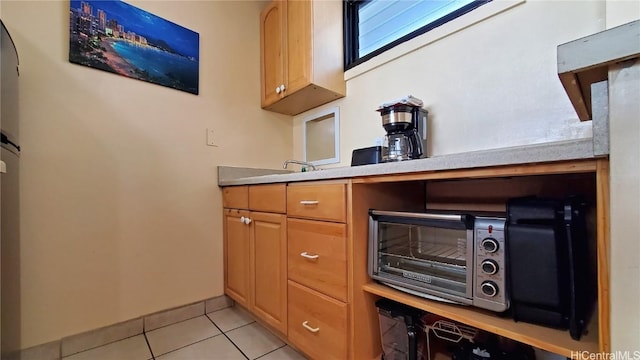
[[121, 213], [494, 84], [624, 116], [625, 191], [621, 12]]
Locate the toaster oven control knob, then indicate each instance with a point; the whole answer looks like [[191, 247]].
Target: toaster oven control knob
[[490, 245], [490, 267], [489, 288]]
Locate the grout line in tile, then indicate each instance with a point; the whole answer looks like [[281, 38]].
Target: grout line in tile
[[238, 327], [153, 357], [177, 322], [59, 352], [231, 341], [182, 347], [99, 346], [145, 318], [263, 355]]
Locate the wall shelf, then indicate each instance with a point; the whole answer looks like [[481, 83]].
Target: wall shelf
[[585, 61]]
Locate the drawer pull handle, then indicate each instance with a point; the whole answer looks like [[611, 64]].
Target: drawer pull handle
[[306, 255], [306, 326], [309, 202]]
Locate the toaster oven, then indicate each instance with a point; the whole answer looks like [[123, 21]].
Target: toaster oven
[[452, 257]]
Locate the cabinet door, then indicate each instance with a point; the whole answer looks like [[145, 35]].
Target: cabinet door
[[272, 51], [269, 253], [299, 45], [236, 256]]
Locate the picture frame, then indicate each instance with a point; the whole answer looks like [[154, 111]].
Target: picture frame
[[122, 39]]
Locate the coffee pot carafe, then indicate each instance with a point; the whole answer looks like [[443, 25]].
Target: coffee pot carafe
[[399, 146], [405, 126]]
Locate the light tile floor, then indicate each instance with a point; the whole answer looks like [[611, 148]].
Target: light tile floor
[[227, 334]]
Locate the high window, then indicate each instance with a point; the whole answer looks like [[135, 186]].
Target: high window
[[374, 26]]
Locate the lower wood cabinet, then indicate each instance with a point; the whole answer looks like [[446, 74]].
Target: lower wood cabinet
[[318, 262], [317, 323], [236, 256], [255, 254], [269, 275], [304, 273]]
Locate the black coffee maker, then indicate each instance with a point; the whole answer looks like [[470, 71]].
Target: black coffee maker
[[406, 130]]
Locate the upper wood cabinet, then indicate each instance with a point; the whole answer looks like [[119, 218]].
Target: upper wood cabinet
[[272, 44], [301, 55]]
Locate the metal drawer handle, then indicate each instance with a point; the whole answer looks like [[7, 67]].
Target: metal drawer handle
[[306, 255], [306, 326], [309, 202]]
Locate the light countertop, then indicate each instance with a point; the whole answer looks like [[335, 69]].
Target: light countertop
[[538, 153]]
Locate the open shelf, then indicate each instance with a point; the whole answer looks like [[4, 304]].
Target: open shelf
[[553, 340]]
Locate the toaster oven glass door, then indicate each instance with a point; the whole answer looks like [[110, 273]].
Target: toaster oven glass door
[[436, 257]]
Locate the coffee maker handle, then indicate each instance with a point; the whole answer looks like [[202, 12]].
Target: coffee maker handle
[[412, 146], [419, 150]]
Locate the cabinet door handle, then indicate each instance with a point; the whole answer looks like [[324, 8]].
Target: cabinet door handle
[[306, 255], [247, 221], [242, 219], [278, 91], [282, 88], [309, 202], [306, 326]]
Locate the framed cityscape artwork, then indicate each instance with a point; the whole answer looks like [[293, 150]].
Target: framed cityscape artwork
[[123, 39]]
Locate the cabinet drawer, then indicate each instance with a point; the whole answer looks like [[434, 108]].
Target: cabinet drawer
[[317, 256], [268, 198], [321, 202], [236, 197], [317, 323]]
